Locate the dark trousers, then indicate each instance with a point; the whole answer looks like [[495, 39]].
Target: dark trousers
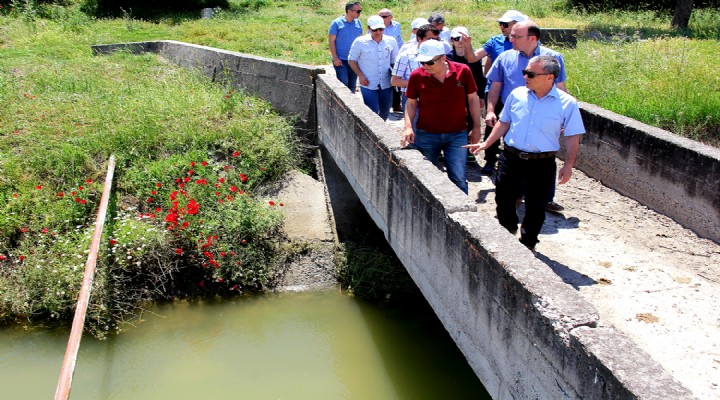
[[491, 153], [536, 178]]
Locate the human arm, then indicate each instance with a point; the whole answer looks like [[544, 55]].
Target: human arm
[[499, 130], [398, 81], [333, 50], [493, 97], [410, 111], [475, 109], [572, 146], [361, 77]]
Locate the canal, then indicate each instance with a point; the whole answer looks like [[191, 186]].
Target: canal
[[317, 345]]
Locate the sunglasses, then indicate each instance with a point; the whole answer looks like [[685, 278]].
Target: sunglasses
[[504, 24], [378, 29], [431, 62], [456, 39], [386, 16], [531, 74], [357, 11]]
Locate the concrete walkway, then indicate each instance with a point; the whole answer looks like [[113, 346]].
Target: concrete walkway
[[652, 279]]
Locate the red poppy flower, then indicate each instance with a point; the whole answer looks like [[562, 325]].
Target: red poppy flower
[[192, 164], [281, 205], [80, 188], [88, 180], [15, 195], [241, 192], [74, 193], [21, 257], [185, 224], [150, 200], [243, 241], [158, 184], [272, 203], [204, 163], [83, 201], [222, 254], [262, 168], [220, 280], [158, 209], [193, 207], [243, 177], [154, 192], [2, 257], [45, 230], [24, 229], [178, 251], [182, 185], [233, 188], [221, 180], [113, 242], [77, 199], [190, 172], [61, 194], [38, 187], [236, 153]]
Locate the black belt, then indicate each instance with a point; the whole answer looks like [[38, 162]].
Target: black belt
[[529, 156]]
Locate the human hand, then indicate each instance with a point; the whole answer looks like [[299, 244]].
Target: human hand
[[337, 62], [490, 118], [363, 80], [564, 174], [408, 137]]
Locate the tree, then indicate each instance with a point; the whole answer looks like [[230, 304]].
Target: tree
[[681, 18]]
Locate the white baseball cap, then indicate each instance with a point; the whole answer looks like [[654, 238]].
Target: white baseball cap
[[375, 22], [458, 31], [513, 15], [418, 22], [430, 49]]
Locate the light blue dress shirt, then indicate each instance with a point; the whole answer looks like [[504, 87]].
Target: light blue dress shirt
[[535, 124], [394, 31], [374, 59]]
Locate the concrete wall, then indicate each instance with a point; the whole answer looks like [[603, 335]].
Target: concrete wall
[[525, 333], [676, 176]]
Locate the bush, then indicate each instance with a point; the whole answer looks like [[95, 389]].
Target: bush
[[148, 8]]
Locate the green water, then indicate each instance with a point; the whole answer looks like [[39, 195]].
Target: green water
[[322, 345]]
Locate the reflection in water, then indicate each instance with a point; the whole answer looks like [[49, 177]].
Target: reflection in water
[[322, 345]]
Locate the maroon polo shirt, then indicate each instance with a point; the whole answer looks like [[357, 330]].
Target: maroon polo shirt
[[442, 106]]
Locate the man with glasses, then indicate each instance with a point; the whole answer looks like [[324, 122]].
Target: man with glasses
[[492, 48], [392, 28], [506, 75], [446, 92], [343, 31], [406, 61], [371, 57], [534, 117]]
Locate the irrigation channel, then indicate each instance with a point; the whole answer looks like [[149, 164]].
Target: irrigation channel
[[312, 345]]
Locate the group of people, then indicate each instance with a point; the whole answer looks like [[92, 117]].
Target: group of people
[[439, 75]]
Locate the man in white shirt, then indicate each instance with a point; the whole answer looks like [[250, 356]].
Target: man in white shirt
[[371, 57]]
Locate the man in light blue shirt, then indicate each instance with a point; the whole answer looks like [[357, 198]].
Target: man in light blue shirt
[[392, 28], [341, 34], [506, 75], [371, 58], [531, 123]]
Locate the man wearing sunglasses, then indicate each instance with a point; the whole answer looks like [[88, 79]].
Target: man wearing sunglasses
[[406, 61], [371, 57], [506, 75], [491, 49], [531, 123], [446, 93], [343, 31]]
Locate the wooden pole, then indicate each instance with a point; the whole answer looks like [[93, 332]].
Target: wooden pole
[[68, 366]]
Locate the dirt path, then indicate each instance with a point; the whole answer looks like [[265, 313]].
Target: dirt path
[[648, 276]]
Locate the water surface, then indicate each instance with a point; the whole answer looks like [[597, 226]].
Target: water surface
[[322, 345]]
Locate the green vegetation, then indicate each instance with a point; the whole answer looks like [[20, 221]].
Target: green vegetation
[[192, 158], [63, 112]]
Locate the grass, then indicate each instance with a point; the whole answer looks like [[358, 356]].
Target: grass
[[63, 112], [180, 142]]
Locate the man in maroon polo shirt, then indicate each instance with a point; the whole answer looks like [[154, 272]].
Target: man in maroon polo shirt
[[446, 92]]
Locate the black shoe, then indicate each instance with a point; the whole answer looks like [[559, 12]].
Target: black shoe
[[553, 207], [471, 158]]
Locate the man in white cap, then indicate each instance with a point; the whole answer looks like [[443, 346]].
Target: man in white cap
[[406, 62], [492, 48], [416, 23], [371, 57], [447, 93]]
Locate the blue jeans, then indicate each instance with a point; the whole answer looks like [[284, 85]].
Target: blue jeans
[[455, 156], [346, 75], [378, 100]]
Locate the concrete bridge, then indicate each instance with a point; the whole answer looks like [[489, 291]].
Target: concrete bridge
[[526, 334]]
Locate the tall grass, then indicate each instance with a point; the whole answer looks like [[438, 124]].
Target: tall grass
[[176, 137]]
